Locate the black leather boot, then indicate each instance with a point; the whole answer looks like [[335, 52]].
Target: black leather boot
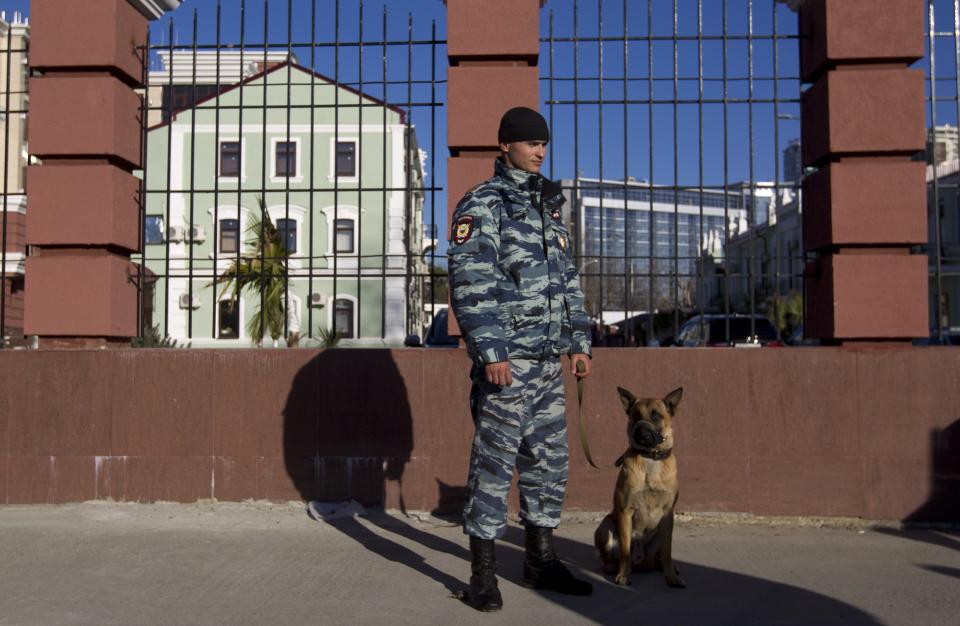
[[543, 570], [483, 594]]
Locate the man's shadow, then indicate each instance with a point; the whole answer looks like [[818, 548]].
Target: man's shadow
[[348, 435]]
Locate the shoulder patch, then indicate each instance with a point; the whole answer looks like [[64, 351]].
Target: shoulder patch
[[463, 229]]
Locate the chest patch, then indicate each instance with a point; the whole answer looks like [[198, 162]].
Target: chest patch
[[562, 240], [463, 229], [555, 214]]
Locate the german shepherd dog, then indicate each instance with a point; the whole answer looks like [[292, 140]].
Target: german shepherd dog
[[647, 489]]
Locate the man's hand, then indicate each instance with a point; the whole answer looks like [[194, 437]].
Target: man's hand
[[580, 358], [498, 373]]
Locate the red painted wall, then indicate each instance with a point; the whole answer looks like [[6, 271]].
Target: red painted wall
[[828, 431]]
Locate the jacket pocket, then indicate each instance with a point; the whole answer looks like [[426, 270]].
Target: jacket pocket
[[531, 279]]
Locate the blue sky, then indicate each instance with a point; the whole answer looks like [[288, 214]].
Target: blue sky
[[750, 148]]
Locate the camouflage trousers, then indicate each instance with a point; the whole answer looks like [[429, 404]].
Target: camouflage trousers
[[522, 426]]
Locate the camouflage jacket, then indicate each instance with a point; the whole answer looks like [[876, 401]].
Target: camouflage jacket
[[514, 284]]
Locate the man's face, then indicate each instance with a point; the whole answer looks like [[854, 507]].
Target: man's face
[[525, 155]]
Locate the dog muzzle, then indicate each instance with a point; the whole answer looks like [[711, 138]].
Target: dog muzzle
[[644, 435]]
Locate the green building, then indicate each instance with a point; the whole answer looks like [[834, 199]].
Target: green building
[[339, 174]]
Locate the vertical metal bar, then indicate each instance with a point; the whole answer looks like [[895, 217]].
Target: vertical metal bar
[[956, 67], [753, 195], [576, 143], [435, 235], [188, 235], [676, 176], [726, 173], [5, 191], [263, 168], [358, 239], [383, 243], [700, 251], [628, 256], [313, 155], [550, 98], [166, 239], [142, 204], [240, 171], [336, 174], [286, 179], [938, 276], [651, 284], [407, 199], [602, 185], [777, 193], [216, 183]]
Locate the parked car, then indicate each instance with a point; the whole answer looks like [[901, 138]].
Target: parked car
[[437, 336], [711, 330], [951, 337]]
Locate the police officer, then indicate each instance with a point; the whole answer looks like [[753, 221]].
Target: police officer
[[517, 299]]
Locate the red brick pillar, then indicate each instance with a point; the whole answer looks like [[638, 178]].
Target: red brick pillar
[[862, 119], [493, 47], [84, 125]]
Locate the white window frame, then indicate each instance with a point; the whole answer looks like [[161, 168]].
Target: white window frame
[[347, 212], [243, 160], [331, 316], [241, 322], [298, 175], [333, 160], [228, 213], [297, 214]]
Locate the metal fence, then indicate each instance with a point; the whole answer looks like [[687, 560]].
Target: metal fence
[[670, 130], [675, 134], [942, 65], [289, 180]]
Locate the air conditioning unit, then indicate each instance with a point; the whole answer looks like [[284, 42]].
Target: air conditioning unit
[[175, 233], [188, 302], [197, 234], [318, 299]]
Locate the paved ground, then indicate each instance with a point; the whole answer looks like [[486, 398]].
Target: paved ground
[[102, 563]]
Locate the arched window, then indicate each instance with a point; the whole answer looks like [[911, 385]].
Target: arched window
[[287, 229], [344, 236], [343, 318]]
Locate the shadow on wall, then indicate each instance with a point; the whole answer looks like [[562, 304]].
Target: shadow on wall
[[347, 427], [944, 502]]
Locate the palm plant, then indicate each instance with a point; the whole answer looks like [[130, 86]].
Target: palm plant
[[262, 270]]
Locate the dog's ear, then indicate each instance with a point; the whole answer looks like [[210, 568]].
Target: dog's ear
[[673, 399], [626, 398]]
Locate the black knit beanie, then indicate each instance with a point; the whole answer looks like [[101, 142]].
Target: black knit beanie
[[522, 124]]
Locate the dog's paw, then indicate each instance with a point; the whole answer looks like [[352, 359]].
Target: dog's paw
[[673, 579], [622, 579]]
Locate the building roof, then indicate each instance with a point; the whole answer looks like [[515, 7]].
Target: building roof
[[276, 67]]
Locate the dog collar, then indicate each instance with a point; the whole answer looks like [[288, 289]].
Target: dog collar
[[655, 455]]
